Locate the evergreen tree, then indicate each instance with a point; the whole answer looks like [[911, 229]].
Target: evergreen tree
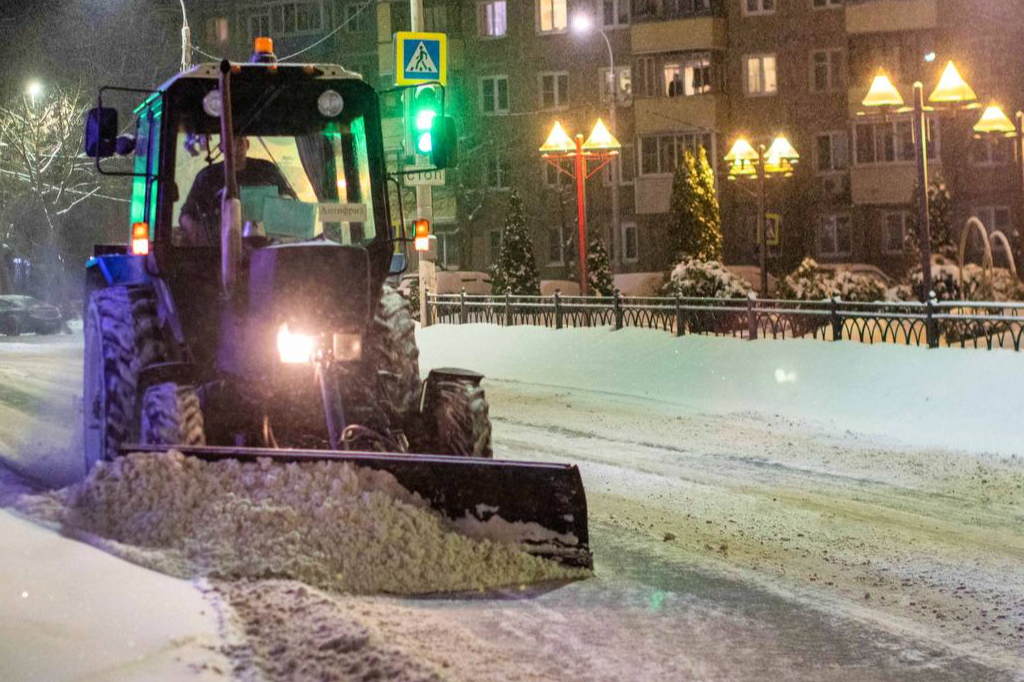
[[694, 216], [599, 269], [940, 223], [516, 270]]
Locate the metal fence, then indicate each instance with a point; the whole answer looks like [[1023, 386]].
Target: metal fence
[[964, 324]]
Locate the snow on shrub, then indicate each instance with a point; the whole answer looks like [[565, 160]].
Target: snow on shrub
[[946, 283], [812, 282], [704, 279]]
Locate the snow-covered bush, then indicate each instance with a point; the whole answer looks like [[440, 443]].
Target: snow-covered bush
[[707, 279], [812, 282], [946, 283], [704, 279]]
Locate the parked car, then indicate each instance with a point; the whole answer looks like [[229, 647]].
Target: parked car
[[24, 314]]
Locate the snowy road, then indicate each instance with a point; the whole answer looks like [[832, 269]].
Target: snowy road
[[734, 546]]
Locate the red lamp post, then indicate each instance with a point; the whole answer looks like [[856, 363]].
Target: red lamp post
[[600, 146]]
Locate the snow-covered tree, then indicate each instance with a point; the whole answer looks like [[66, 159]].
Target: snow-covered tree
[[940, 223], [704, 279], [812, 282], [599, 269], [516, 270], [694, 216]]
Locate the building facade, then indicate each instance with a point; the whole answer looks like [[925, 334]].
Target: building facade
[[677, 75]]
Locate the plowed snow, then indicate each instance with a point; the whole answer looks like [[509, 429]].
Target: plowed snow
[[328, 524]]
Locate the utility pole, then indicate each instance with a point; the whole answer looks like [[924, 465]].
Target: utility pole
[[424, 193]]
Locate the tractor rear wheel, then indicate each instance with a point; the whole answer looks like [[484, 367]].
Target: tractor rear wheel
[[461, 416], [391, 375], [172, 415], [121, 337]]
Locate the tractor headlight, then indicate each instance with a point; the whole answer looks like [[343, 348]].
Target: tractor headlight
[[295, 348]]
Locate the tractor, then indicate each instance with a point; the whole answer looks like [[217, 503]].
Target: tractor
[[247, 315]]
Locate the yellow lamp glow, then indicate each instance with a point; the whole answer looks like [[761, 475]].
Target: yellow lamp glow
[[952, 88], [601, 139], [995, 122], [882, 92], [558, 141], [742, 159], [781, 157]]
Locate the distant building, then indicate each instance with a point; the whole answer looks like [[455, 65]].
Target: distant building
[[687, 73]]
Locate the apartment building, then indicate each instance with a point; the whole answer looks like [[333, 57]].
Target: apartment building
[[687, 73]]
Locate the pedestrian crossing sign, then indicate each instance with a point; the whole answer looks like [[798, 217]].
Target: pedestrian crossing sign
[[421, 58]]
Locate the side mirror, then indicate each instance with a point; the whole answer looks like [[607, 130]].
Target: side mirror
[[398, 264], [445, 150], [101, 132]]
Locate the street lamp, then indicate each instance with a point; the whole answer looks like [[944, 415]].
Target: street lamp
[[602, 147], [952, 92], [995, 123], [746, 161], [33, 90], [582, 24]]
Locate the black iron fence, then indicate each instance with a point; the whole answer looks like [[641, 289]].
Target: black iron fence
[[973, 324]]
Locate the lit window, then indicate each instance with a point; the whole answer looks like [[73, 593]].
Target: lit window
[[552, 16], [760, 74], [623, 85], [494, 95], [491, 19], [690, 75]]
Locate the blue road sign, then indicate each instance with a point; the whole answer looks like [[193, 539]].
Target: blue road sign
[[421, 58]]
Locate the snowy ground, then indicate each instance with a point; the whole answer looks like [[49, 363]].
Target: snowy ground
[[785, 511]]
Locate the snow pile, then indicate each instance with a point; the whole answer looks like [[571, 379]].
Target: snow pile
[[946, 397], [705, 279], [328, 524]]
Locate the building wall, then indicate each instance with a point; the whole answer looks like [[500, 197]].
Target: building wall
[[857, 198]]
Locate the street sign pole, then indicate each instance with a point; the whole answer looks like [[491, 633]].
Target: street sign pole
[[424, 193]]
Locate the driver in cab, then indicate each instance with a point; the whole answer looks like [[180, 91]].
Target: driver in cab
[[200, 214]]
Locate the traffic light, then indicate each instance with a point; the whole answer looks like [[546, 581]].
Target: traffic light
[[429, 132], [422, 234], [425, 107]]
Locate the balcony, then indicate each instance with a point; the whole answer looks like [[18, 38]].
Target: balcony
[[666, 114], [883, 16], [885, 184], [676, 35]]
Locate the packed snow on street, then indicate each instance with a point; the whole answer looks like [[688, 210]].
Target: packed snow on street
[[769, 510]]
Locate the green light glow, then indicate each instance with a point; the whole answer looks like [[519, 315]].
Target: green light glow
[[424, 119], [424, 144]]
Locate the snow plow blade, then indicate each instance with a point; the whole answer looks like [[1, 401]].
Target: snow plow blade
[[541, 507]]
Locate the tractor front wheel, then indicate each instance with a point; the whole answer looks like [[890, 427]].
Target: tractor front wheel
[[461, 418]]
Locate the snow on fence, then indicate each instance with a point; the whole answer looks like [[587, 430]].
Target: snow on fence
[[974, 324]]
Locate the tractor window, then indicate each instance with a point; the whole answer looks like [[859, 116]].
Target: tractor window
[[293, 187]]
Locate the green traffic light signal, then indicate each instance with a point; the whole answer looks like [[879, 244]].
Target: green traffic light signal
[[426, 106]]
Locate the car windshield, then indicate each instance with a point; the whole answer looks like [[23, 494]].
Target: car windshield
[[297, 179]]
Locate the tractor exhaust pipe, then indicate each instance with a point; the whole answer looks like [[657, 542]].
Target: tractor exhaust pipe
[[231, 206]]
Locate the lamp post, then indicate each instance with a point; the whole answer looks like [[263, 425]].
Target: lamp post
[[747, 162], [601, 146], [952, 92], [582, 24], [994, 123]]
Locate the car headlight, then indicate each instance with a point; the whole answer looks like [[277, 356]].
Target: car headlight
[[295, 348]]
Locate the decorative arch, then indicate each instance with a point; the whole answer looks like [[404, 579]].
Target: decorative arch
[[986, 264]]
